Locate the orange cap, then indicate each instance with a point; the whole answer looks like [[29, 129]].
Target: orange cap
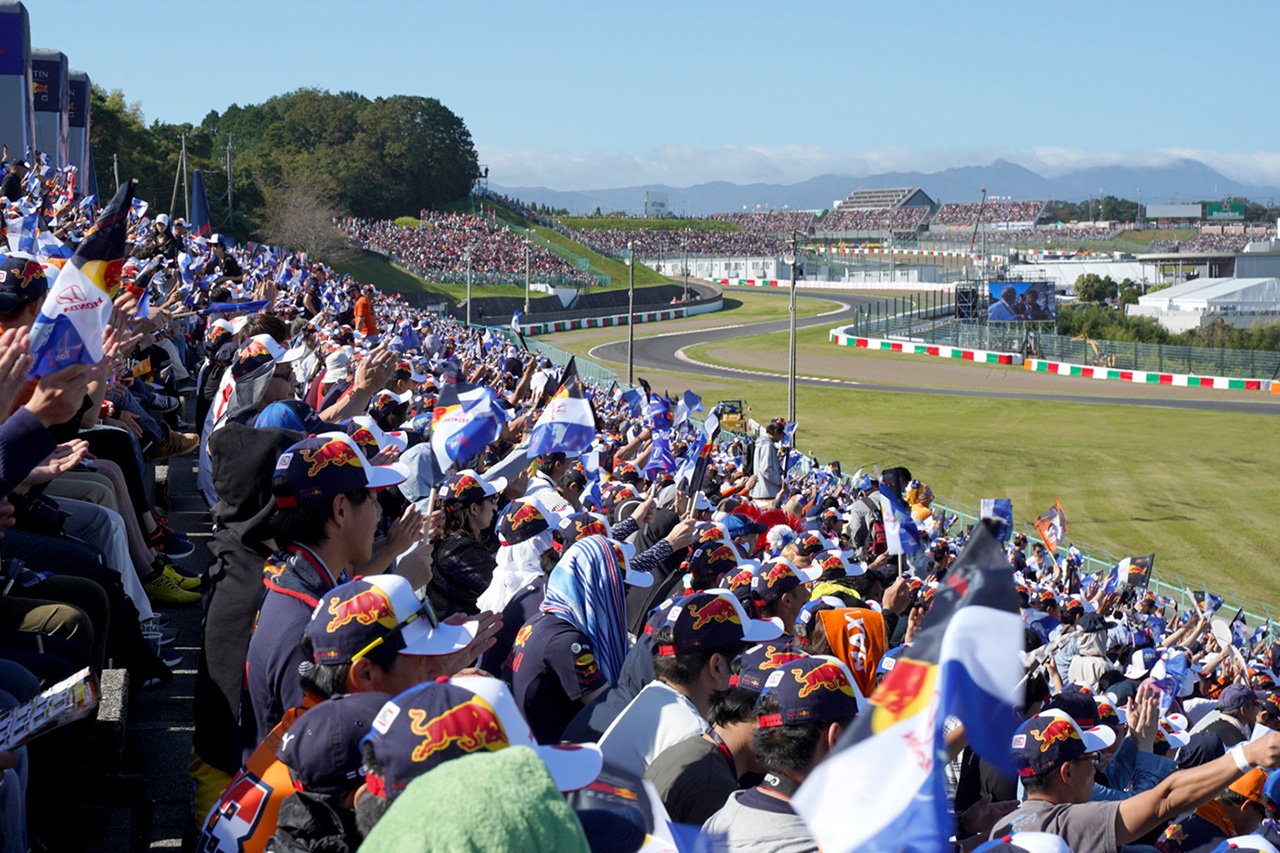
[[1250, 784]]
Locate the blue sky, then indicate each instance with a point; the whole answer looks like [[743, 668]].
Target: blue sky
[[584, 95]]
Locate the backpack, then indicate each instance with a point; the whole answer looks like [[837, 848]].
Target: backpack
[[876, 543]]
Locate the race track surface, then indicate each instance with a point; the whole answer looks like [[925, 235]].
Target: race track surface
[[903, 375]]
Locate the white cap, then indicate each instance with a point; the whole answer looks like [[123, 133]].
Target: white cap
[[278, 353], [163, 219], [398, 440], [337, 366], [632, 577], [420, 638], [753, 630]]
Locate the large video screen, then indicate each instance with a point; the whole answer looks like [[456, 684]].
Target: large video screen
[[1021, 302]]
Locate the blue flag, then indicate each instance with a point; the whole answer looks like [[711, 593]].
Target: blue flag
[[199, 207], [1000, 509], [901, 533], [77, 309], [567, 424]]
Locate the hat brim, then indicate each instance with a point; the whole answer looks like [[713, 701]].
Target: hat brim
[[1097, 738], [572, 766], [1177, 739], [642, 580], [759, 630], [382, 476], [808, 575], [293, 354], [499, 484], [1134, 673], [421, 640]]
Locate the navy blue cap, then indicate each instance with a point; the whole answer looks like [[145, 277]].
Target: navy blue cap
[[816, 689], [22, 281], [712, 622], [757, 662], [322, 747]]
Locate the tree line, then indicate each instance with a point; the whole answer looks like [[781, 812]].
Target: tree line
[[336, 154]]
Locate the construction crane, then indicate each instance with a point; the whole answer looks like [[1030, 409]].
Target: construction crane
[[978, 222]]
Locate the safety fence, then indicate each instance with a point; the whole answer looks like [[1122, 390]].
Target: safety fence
[[548, 327], [839, 338], [1147, 377], [1096, 561]]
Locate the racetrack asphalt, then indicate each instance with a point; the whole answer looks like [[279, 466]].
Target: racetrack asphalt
[[665, 352]]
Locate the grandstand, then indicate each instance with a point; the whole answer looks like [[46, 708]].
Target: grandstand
[[779, 222], [995, 215], [878, 212]]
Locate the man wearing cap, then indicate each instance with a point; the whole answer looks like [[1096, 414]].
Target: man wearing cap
[[329, 510], [323, 754], [544, 485], [696, 776], [368, 635], [1233, 721], [12, 186], [778, 589], [692, 655], [1055, 760], [798, 725], [441, 720], [1236, 811]]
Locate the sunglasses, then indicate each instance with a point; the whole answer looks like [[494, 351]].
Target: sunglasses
[[425, 610]]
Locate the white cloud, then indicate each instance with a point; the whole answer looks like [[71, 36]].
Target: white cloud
[[686, 165]]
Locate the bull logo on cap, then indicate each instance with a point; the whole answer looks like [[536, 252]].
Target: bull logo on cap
[[775, 657], [717, 609], [30, 273], [470, 727], [741, 578], [824, 676], [1057, 731], [367, 607], [251, 350], [525, 513], [777, 573], [365, 440], [333, 452]]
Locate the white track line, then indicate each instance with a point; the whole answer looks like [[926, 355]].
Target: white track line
[[680, 354]]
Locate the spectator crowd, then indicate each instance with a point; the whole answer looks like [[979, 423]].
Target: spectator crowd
[[459, 598], [437, 249], [965, 214]]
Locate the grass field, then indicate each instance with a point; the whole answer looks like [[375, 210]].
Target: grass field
[[622, 223], [1186, 485], [615, 269]]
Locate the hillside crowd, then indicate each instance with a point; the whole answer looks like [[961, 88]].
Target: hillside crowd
[[458, 598], [670, 243], [437, 248]]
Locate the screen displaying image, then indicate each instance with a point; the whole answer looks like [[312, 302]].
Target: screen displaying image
[[1020, 301]]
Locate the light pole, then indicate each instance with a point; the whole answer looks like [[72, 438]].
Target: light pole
[[631, 311], [686, 264], [790, 258], [527, 250], [467, 256]]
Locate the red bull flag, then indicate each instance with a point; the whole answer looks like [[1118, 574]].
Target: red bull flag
[[567, 424], [964, 663], [77, 309], [1052, 526], [199, 207], [461, 430]]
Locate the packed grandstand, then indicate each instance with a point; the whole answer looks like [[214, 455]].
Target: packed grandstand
[[459, 597]]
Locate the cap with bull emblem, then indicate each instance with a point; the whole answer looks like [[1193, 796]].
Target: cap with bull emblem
[[815, 689], [1052, 738], [449, 718], [713, 621], [324, 466]]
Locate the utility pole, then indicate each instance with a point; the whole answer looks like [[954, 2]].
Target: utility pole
[[467, 255], [631, 311], [792, 259], [686, 265], [186, 192], [230, 206], [115, 169]]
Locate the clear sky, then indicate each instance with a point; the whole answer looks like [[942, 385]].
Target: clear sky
[[595, 94]]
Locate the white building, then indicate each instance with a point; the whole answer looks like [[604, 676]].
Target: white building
[[1239, 302]]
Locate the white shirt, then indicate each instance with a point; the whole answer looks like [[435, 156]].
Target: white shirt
[[657, 718]]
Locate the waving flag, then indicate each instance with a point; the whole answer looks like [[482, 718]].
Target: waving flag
[[1137, 570], [964, 663], [689, 403], [660, 458], [567, 424], [634, 401], [1113, 577], [710, 429], [591, 467], [901, 533], [1001, 509], [199, 207], [460, 430], [515, 322], [1052, 526], [77, 309], [21, 232]]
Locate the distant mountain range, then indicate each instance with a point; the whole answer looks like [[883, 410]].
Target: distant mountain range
[[1187, 180]]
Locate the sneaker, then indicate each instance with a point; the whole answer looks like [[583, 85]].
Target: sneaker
[[184, 580], [162, 403], [174, 444], [164, 589], [168, 542]]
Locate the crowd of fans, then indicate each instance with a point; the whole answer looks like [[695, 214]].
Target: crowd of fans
[[451, 606], [902, 219], [965, 214], [653, 243], [781, 223], [437, 249]]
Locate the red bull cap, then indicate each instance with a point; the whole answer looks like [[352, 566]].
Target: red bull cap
[[713, 621], [449, 718], [758, 662], [379, 610], [777, 577], [1052, 738], [321, 467], [814, 689], [523, 520]]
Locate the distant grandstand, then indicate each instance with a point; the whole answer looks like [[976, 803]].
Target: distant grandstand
[[900, 211], [777, 222], [994, 215]]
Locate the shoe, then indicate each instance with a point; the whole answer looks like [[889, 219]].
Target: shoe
[[184, 580], [168, 542], [163, 403], [174, 444], [171, 657], [164, 589]]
